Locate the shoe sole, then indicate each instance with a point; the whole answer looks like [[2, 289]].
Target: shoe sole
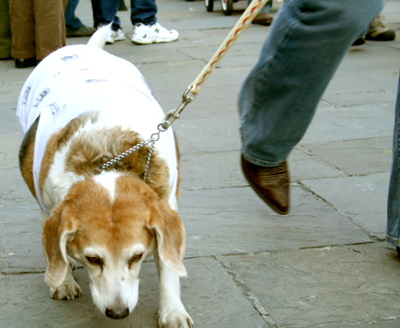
[[115, 40], [141, 41]]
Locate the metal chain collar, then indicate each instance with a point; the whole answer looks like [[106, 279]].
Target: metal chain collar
[[162, 127], [153, 138]]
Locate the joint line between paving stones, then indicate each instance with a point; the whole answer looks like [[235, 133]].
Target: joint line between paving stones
[[2, 247], [193, 58], [247, 293], [250, 253], [22, 273], [308, 152], [369, 234], [22, 203]]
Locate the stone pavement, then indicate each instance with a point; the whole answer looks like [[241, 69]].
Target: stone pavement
[[324, 265]]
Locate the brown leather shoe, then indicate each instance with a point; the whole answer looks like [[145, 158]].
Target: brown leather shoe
[[270, 183], [263, 19]]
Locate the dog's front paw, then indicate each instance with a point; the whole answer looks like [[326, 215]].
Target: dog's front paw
[[178, 318], [68, 290]]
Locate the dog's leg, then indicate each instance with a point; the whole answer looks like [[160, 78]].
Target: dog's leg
[[172, 313], [69, 289]]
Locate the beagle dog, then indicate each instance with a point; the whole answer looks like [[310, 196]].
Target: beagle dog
[[80, 108]]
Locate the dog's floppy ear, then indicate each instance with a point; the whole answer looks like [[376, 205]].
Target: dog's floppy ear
[[60, 228], [170, 233]]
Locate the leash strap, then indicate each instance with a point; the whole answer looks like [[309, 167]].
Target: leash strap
[[247, 17], [244, 21]]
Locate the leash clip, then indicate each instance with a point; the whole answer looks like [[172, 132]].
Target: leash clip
[[176, 113]]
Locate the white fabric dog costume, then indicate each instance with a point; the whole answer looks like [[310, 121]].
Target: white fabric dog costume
[[78, 79]]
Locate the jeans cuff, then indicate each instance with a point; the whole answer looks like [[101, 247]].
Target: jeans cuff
[[258, 162], [392, 241]]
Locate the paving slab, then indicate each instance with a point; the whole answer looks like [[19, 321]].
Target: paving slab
[[14, 190], [390, 323], [346, 123], [235, 221], [337, 124], [248, 52], [318, 287], [8, 124], [219, 101], [363, 199], [21, 238], [222, 169], [210, 296], [357, 157], [203, 136], [9, 150], [10, 91]]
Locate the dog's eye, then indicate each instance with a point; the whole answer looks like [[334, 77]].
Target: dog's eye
[[94, 260], [135, 258]]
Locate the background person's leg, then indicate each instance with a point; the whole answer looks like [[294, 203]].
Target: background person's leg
[[22, 29], [71, 21], [143, 11], [50, 30]]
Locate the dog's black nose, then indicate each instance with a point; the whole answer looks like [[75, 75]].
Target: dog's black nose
[[117, 315]]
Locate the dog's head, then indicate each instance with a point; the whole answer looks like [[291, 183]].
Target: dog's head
[[110, 224]]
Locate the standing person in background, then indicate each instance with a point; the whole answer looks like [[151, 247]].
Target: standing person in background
[[146, 29], [37, 29], [5, 30], [75, 27], [278, 98]]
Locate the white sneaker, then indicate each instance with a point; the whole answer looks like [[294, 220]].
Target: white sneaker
[[147, 34], [115, 36]]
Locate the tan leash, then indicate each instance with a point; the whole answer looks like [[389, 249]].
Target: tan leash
[[247, 17], [194, 88]]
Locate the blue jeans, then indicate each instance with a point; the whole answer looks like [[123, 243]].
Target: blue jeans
[[109, 9], [143, 11], [278, 98], [71, 21], [393, 210]]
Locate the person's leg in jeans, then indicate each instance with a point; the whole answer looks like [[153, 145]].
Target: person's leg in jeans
[[143, 11], [279, 96], [109, 9], [146, 30], [71, 21], [393, 210], [75, 27], [109, 13], [97, 13]]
